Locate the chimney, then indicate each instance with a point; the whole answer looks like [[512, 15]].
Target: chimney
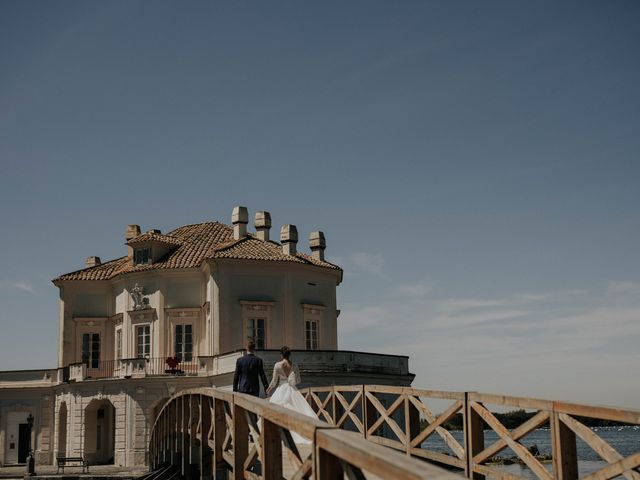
[[240, 218], [289, 239], [317, 243], [263, 224], [132, 232], [92, 262]]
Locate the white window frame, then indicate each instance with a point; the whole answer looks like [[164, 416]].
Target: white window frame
[[136, 327], [312, 313], [252, 328], [118, 343], [182, 316], [90, 359], [140, 318], [175, 340], [91, 325], [253, 310], [311, 335]]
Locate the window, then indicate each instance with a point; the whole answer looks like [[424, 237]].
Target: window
[[256, 317], [118, 344], [312, 316], [91, 349], [143, 335], [184, 342], [142, 256], [255, 332], [311, 334]]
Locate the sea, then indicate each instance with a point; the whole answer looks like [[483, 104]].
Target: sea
[[625, 440]]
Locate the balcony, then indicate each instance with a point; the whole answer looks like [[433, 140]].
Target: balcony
[[129, 368], [317, 367]]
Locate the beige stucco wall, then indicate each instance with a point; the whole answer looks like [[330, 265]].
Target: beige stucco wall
[[210, 298], [287, 287], [38, 402]]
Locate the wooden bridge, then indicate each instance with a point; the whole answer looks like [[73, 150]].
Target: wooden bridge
[[372, 431]]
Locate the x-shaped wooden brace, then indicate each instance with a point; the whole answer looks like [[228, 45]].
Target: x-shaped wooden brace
[[385, 415], [322, 407], [348, 411], [255, 452], [618, 465], [435, 425], [227, 444], [304, 467], [511, 441]]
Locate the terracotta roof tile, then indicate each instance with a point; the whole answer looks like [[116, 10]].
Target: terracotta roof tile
[[251, 248], [154, 237], [195, 244]]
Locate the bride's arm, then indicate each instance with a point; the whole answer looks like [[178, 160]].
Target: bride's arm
[[294, 376], [274, 380]]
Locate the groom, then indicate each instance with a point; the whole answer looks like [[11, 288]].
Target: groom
[[248, 369]]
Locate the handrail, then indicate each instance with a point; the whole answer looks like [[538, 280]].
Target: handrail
[[390, 416], [208, 431]]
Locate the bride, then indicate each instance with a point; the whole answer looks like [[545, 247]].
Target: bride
[[283, 386]]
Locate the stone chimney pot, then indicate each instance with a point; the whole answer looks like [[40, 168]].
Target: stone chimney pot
[[317, 243], [289, 239], [240, 218], [263, 224], [92, 261], [132, 232]]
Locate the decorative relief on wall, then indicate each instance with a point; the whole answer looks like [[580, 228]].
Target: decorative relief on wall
[[140, 302], [187, 312], [313, 309]]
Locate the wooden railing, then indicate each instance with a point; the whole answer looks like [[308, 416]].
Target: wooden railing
[[390, 416], [211, 433]]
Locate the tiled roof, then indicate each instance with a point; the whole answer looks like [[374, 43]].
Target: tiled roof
[[154, 237], [251, 248], [195, 244]]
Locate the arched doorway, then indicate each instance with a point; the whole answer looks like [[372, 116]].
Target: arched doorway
[[155, 410], [62, 429], [99, 432]]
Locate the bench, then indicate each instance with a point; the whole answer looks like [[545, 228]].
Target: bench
[[64, 461]]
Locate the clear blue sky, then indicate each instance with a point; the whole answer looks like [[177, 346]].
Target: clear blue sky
[[474, 166]]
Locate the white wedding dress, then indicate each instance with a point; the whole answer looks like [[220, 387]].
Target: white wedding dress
[[287, 395]]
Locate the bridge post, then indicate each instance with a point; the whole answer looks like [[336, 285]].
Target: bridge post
[[166, 443], [184, 419], [411, 422], [328, 466], [186, 439], [563, 443], [335, 406], [175, 439], [206, 470], [271, 451], [474, 436], [219, 434], [369, 414], [338, 409], [193, 461], [240, 441]]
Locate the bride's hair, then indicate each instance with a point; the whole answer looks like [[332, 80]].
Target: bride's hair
[[285, 352]]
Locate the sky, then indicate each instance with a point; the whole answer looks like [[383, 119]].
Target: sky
[[474, 166]]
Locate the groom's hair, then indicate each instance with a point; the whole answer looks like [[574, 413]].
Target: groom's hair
[[251, 346]]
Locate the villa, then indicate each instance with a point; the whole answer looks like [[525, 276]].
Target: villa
[[174, 312]]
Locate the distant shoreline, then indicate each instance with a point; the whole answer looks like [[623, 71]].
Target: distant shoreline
[[515, 418]]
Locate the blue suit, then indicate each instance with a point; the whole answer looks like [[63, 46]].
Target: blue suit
[[249, 370]]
